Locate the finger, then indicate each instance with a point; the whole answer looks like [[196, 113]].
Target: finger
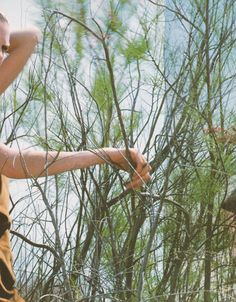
[[146, 169], [141, 180], [138, 159], [133, 186], [137, 183], [140, 163]]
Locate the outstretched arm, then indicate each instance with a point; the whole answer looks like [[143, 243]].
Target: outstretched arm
[[27, 164], [22, 44]]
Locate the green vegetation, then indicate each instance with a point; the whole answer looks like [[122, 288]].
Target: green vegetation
[[150, 74]]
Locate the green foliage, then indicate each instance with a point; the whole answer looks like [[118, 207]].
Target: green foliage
[[116, 19], [102, 91], [80, 32], [137, 69], [115, 23], [134, 126], [134, 50]]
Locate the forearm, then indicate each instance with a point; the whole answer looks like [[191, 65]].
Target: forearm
[[22, 45], [28, 164], [33, 164]]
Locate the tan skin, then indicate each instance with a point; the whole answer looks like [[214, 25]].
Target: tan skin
[[15, 50]]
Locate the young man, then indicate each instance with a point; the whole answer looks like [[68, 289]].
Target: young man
[[15, 49]]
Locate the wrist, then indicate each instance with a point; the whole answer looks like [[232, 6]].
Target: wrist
[[109, 155], [115, 154]]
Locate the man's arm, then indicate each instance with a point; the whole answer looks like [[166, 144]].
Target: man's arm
[[22, 44], [28, 164]]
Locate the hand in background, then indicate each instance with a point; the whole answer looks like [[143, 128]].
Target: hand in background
[[222, 135]]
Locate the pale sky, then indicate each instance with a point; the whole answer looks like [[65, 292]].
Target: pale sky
[[20, 13]]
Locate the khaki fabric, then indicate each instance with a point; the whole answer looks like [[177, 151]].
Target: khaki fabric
[[7, 278]]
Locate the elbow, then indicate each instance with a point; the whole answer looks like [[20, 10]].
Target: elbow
[[7, 162], [37, 34], [26, 40]]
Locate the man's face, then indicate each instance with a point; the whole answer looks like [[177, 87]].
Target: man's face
[[4, 39]]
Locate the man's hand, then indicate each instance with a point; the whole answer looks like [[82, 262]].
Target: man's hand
[[138, 167]]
